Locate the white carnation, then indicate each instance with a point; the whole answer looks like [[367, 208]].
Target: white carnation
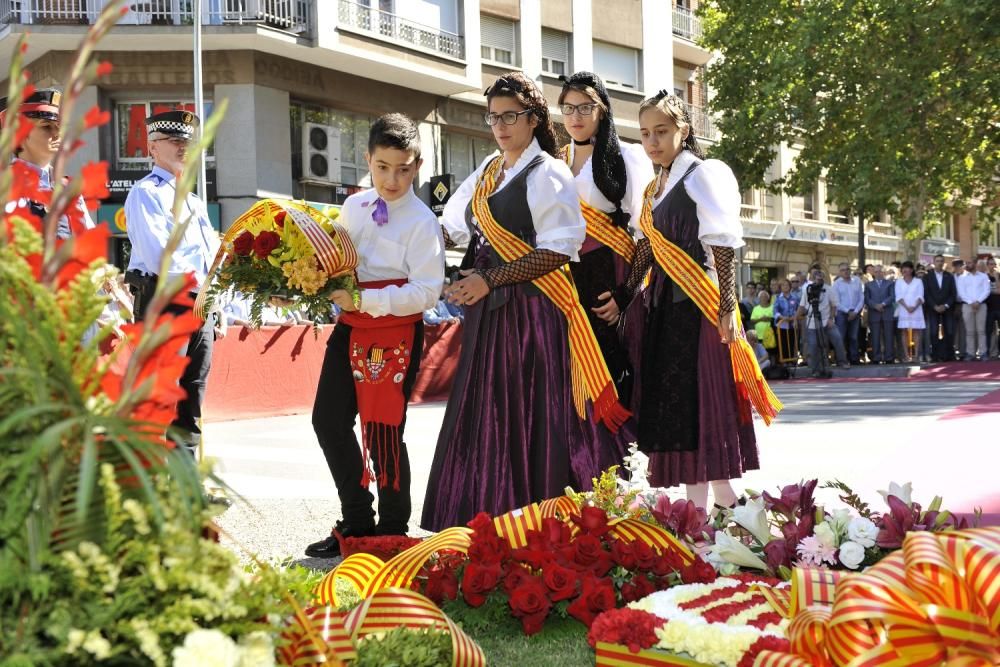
[[207, 648], [863, 531], [852, 554], [256, 650]]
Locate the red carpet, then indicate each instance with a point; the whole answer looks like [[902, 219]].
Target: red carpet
[[985, 404]]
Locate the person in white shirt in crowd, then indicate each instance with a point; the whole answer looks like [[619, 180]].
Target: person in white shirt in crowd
[[439, 314], [958, 269], [973, 289], [909, 295], [819, 302], [851, 301]]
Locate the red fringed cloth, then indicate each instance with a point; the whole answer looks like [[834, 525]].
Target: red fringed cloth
[[381, 350]]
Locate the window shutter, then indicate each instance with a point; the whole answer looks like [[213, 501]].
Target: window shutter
[[497, 32], [616, 64], [555, 45]]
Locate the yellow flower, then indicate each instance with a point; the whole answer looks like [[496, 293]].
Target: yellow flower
[[304, 275]]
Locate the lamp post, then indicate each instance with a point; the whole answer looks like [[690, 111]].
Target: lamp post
[[199, 97]]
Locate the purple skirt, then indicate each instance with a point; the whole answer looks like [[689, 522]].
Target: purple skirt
[[511, 435]]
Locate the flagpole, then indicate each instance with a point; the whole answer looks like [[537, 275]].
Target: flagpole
[[199, 97]]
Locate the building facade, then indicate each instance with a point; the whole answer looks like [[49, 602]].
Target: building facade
[[305, 78]]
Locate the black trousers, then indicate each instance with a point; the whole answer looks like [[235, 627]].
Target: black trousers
[[186, 427], [334, 414], [941, 349]]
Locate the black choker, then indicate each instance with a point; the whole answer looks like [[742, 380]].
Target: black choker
[[582, 143]]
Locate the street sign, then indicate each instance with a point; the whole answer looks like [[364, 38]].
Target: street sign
[[440, 192]]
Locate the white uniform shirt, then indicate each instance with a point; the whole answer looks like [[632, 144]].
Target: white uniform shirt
[[552, 198], [638, 171], [973, 287], [408, 247]]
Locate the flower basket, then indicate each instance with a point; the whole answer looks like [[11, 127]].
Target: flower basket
[[619, 655], [285, 250]]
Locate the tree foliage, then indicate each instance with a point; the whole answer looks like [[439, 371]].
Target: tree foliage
[[895, 102]]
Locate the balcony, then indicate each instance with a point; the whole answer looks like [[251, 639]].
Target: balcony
[[686, 24], [702, 123], [293, 16], [374, 22]]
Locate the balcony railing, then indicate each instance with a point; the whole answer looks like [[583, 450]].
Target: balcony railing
[[293, 16], [702, 123], [398, 29], [686, 24]]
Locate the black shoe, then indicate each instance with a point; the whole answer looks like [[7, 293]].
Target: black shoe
[[391, 530], [330, 547]]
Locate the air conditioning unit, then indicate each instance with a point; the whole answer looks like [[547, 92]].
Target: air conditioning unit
[[320, 153]]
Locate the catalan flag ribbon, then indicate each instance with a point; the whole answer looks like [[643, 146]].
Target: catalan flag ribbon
[[590, 376], [514, 525], [601, 228], [751, 387], [936, 601]]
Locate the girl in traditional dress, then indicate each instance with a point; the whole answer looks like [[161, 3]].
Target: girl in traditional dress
[[610, 177], [694, 418], [512, 431]]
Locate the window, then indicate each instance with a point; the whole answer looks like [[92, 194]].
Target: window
[[353, 141], [498, 40], [803, 207], [555, 52], [617, 65], [463, 153], [838, 215], [131, 138], [750, 204]]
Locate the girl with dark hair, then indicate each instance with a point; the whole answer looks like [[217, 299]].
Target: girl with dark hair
[[514, 430], [699, 376], [609, 178]]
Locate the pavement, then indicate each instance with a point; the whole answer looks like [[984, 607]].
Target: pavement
[[935, 427]]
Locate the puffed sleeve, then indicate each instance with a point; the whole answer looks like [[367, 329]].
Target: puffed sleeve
[[555, 209], [639, 171], [714, 190], [453, 216]]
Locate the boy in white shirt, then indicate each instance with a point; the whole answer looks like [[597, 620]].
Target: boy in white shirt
[[373, 355]]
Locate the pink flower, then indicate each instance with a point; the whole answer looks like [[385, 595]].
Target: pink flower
[[810, 551]]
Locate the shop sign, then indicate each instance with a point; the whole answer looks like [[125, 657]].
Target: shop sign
[[881, 243], [821, 235], [120, 182], [940, 247], [763, 230], [113, 215], [440, 192]]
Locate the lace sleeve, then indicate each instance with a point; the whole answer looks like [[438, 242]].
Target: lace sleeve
[[533, 265], [448, 243], [725, 266], [641, 263]]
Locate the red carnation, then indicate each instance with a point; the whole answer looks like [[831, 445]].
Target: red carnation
[[698, 572], [515, 578], [243, 245], [265, 243], [442, 584], [631, 627], [597, 595], [478, 581], [592, 521], [765, 643], [622, 554], [530, 602], [560, 580]]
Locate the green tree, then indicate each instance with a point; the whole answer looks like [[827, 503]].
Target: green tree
[[895, 102]]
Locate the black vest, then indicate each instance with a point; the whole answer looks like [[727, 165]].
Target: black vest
[[677, 219]]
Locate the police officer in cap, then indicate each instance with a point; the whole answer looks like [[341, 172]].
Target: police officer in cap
[[39, 148], [149, 221]]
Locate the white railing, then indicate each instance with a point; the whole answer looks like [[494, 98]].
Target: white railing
[[686, 24], [398, 29], [290, 15], [702, 122]]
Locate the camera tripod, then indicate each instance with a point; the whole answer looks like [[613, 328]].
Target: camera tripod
[[822, 342]]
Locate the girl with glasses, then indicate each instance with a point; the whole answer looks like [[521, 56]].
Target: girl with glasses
[[513, 432], [609, 178]]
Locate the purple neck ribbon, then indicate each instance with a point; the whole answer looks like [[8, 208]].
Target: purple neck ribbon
[[380, 214]]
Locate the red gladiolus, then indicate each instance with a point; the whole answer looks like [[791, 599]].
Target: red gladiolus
[[95, 180], [95, 117], [279, 219], [243, 244], [264, 243], [104, 68]]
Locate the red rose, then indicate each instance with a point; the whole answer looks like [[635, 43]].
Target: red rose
[[557, 532], [243, 244], [442, 584], [265, 243], [698, 572], [637, 589], [622, 554], [537, 552], [667, 562], [645, 557], [560, 580], [488, 549], [597, 595], [592, 521], [530, 602], [515, 579], [587, 549], [478, 581]]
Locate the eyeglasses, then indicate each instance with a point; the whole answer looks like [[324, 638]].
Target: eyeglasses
[[508, 117], [175, 141], [582, 109]]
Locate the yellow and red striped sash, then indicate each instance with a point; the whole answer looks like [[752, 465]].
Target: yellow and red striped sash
[[336, 256], [590, 376], [751, 386], [601, 228]]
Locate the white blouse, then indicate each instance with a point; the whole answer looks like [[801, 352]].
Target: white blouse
[[716, 194], [408, 246], [909, 293], [638, 171], [552, 198]]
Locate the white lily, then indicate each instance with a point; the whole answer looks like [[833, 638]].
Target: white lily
[[904, 492], [753, 518], [733, 551]]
